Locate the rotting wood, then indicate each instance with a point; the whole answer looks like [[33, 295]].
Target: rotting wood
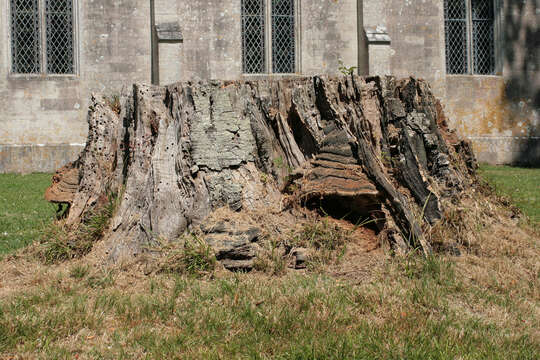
[[372, 146]]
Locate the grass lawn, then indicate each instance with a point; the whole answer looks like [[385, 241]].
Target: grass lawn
[[484, 304], [23, 211], [522, 185]]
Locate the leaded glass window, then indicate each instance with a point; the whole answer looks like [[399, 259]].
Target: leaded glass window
[[59, 25], [42, 37], [253, 49], [25, 39], [283, 36], [483, 38], [455, 14], [268, 36], [470, 36]]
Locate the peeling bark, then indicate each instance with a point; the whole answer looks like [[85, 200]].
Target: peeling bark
[[372, 146]]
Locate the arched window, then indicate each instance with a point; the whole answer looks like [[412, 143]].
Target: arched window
[[42, 37], [470, 36], [269, 36]]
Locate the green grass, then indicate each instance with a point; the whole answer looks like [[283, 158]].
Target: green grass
[[481, 305], [522, 185], [413, 309], [23, 211]]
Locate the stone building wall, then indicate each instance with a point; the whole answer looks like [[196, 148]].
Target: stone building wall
[[499, 113], [211, 46], [43, 118], [212, 42], [329, 35]]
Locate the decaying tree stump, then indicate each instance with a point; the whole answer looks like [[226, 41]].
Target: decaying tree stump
[[370, 147]]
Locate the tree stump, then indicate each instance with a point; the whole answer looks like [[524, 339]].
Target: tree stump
[[371, 147]]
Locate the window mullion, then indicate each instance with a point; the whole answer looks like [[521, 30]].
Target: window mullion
[[470, 60], [498, 39], [43, 36], [297, 38], [268, 36]]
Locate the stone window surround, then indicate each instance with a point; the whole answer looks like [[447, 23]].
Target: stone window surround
[[498, 42], [44, 75], [268, 40]]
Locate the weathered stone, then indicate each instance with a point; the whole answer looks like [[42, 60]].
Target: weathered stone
[[169, 31]]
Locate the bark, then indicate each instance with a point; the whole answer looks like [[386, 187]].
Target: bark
[[374, 147]]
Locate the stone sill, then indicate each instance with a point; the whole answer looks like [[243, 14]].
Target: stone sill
[[496, 76], [43, 77], [270, 76]]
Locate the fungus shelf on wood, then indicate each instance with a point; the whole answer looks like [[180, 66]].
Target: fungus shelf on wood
[[358, 147]]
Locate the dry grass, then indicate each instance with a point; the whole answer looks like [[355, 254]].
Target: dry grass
[[482, 304], [191, 256], [479, 298], [60, 242]]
